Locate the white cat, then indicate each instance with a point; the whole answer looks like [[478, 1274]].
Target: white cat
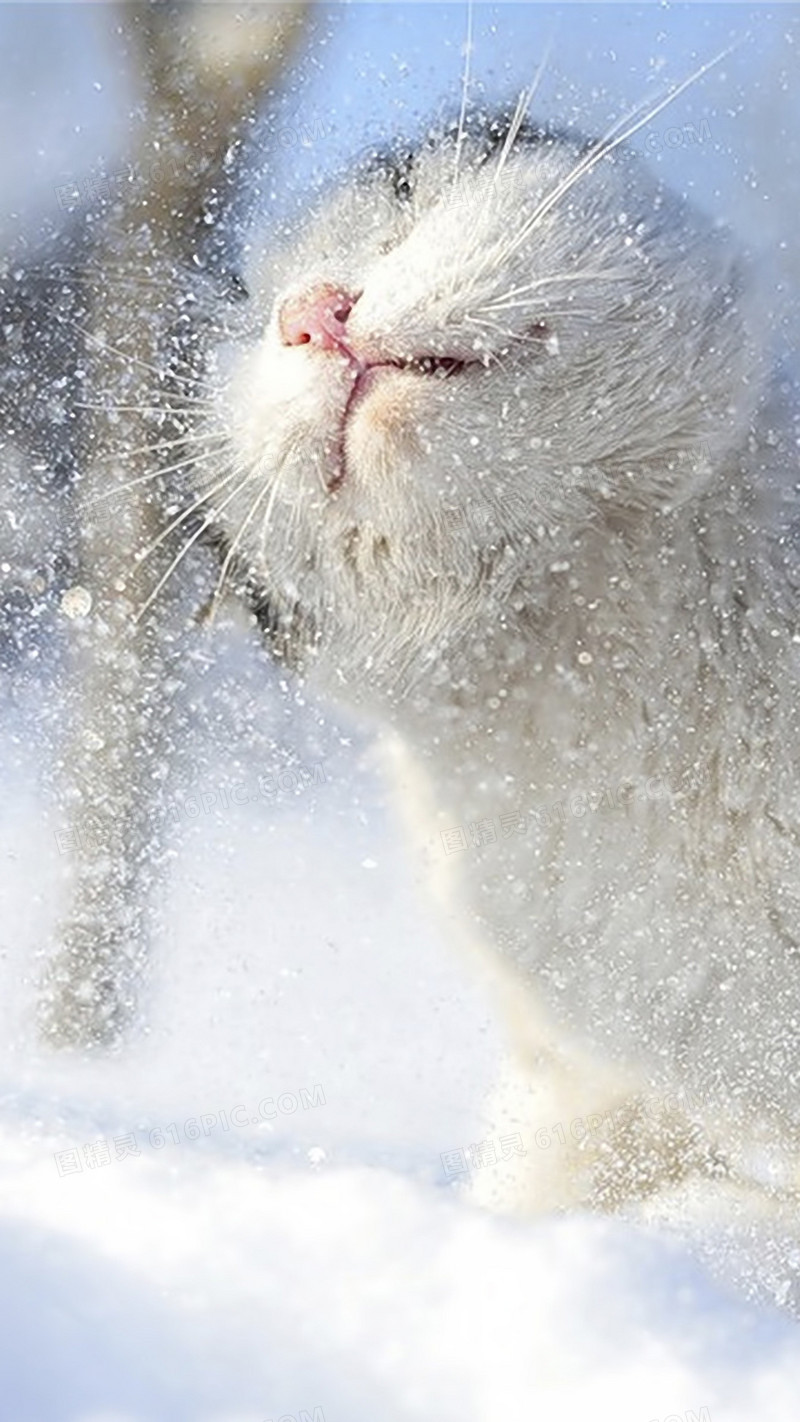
[[506, 467]]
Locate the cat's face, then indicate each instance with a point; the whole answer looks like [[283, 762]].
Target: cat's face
[[454, 364]]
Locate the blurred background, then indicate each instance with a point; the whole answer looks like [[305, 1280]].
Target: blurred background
[[371, 70], [331, 959], [296, 943], [362, 74]]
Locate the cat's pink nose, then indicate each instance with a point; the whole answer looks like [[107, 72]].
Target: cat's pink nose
[[317, 315]]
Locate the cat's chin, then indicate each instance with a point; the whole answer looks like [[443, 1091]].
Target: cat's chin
[[380, 434]]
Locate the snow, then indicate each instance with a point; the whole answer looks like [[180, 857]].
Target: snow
[[316, 1262], [316, 1257], [243, 1290]]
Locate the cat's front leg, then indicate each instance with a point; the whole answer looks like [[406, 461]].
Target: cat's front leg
[[568, 1131]]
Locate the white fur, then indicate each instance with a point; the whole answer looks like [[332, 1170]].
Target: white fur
[[568, 569]]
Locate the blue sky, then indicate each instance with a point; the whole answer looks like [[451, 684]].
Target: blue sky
[[373, 68]]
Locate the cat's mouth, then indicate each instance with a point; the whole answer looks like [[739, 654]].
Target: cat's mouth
[[367, 375]]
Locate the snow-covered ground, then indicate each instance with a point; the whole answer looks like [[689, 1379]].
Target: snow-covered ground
[[243, 1214]]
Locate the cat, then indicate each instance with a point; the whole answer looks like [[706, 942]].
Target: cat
[[513, 477]]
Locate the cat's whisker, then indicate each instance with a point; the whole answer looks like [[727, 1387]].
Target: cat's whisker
[[105, 279], [533, 314], [520, 112], [517, 120], [516, 338], [193, 377], [502, 301], [137, 360], [295, 519], [96, 276], [607, 145], [500, 331], [171, 409], [191, 437], [153, 474], [144, 553], [267, 489], [464, 95], [178, 559], [514, 240]]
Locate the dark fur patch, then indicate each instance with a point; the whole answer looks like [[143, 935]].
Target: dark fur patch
[[288, 630], [398, 169], [489, 130]]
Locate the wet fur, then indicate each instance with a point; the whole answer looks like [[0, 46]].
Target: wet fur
[[570, 567]]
